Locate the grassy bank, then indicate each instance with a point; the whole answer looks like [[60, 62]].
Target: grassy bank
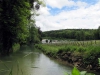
[[85, 56]]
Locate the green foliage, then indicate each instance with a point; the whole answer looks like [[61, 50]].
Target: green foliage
[[14, 23], [48, 49], [41, 2], [83, 72], [15, 47], [98, 32], [81, 49], [10, 73], [88, 53], [99, 61], [15, 16], [76, 34], [34, 34], [75, 71]]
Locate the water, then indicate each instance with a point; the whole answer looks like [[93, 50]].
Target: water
[[31, 62]]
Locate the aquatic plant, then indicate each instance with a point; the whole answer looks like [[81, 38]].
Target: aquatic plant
[[75, 71]]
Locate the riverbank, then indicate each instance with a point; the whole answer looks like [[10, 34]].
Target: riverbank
[[15, 48], [85, 57], [31, 61]]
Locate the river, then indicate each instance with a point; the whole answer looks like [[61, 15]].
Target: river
[[29, 61]]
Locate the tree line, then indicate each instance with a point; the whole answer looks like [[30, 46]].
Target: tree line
[[76, 34], [16, 25]]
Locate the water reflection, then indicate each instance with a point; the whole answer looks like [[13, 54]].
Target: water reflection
[[28, 62], [31, 62]]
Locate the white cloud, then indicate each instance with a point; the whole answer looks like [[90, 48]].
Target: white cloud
[[62, 3], [79, 18], [44, 11]]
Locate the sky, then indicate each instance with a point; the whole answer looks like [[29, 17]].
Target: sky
[[69, 14]]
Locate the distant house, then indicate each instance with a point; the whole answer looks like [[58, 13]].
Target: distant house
[[49, 41]]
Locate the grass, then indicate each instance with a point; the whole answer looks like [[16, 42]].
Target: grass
[[83, 43], [49, 49], [88, 50], [85, 50], [55, 48]]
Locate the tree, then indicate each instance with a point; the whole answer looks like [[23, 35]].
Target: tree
[[98, 32], [77, 35], [14, 20], [34, 34]]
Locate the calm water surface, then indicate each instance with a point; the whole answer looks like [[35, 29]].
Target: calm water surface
[[31, 62]]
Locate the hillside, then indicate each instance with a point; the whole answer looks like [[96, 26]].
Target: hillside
[[77, 34]]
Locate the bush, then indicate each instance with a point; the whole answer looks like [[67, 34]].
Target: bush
[[15, 47]]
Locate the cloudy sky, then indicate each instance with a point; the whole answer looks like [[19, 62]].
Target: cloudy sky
[[69, 14]]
